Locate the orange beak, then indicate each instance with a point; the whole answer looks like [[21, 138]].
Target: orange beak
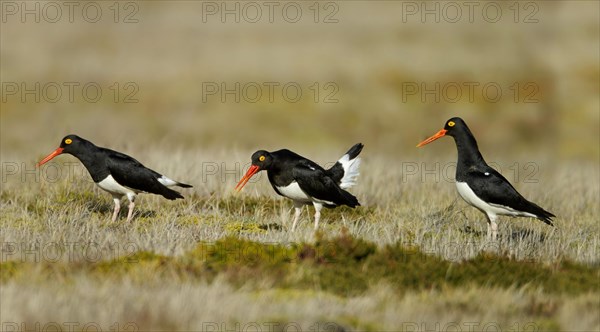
[[50, 156], [251, 171], [437, 135]]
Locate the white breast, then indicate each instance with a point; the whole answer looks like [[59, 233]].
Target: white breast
[[494, 209], [109, 184], [294, 192]]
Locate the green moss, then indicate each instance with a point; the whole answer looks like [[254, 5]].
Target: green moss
[[344, 266], [140, 266], [190, 220], [240, 261], [548, 325], [244, 227], [11, 269]]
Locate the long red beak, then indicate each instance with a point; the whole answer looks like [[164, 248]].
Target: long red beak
[[251, 171], [437, 135], [50, 156]]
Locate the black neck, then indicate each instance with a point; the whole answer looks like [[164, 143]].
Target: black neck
[[468, 153], [91, 157]]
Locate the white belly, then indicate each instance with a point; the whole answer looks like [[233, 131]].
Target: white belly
[[109, 184], [294, 192], [491, 209]]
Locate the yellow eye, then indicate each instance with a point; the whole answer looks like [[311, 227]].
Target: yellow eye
[[68, 141], [451, 124], [261, 158]]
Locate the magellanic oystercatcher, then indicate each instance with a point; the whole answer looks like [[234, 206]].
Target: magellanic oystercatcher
[[305, 182], [482, 186], [116, 173]]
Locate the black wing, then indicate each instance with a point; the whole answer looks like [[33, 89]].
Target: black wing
[[492, 187], [316, 183], [131, 173]]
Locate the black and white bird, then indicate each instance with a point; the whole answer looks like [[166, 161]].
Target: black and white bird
[[305, 182], [482, 186], [116, 173]]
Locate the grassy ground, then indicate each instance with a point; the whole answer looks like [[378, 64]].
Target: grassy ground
[[413, 257], [429, 215], [425, 259]]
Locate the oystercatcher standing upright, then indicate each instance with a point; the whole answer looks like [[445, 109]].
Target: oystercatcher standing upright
[[305, 182], [482, 186], [116, 173]]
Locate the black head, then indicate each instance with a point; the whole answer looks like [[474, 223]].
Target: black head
[[454, 125], [71, 144], [261, 160], [451, 128]]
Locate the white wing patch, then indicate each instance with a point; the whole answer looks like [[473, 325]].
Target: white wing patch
[[166, 181], [351, 172]]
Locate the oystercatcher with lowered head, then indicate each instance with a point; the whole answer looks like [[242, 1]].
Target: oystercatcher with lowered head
[[483, 187], [116, 173], [305, 182]]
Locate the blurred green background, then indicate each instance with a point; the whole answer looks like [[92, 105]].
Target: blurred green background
[[363, 55]]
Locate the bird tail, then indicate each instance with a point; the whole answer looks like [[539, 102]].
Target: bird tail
[[170, 194], [345, 171], [545, 216], [540, 213], [349, 199]]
